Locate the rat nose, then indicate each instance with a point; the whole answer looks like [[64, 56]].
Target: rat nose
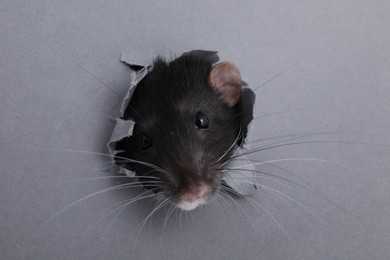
[[194, 192]]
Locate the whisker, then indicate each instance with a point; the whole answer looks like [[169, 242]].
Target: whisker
[[233, 144], [277, 75], [219, 201], [160, 205], [69, 150], [271, 178], [236, 151], [135, 111], [180, 224], [253, 202], [307, 142], [298, 159], [96, 77], [125, 203], [186, 214], [169, 212], [238, 205], [317, 193], [275, 113], [295, 136], [88, 179], [300, 204], [307, 187], [101, 166], [117, 187], [293, 200], [102, 154]]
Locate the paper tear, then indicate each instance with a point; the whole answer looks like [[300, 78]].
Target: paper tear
[[244, 181]]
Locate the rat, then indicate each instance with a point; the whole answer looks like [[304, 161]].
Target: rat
[[190, 114]]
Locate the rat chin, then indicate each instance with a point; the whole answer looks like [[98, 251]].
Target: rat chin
[[193, 196], [187, 206]]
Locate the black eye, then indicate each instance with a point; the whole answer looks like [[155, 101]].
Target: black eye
[[144, 142], [202, 121]]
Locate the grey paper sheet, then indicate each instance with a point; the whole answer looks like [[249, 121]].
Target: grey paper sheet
[[321, 74]]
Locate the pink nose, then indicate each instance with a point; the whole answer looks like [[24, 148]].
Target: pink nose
[[195, 192]]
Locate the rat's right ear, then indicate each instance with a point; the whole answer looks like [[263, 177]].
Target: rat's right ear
[[225, 79]]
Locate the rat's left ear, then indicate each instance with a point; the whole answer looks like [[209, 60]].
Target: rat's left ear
[[225, 79]]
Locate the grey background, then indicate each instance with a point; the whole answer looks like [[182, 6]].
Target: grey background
[[59, 60]]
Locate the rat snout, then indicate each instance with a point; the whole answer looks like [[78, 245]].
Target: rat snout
[[192, 178], [194, 192], [192, 196]]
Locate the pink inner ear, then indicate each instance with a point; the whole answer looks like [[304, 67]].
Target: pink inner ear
[[225, 79]]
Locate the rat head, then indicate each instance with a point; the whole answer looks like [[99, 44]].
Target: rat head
[[189, 117]]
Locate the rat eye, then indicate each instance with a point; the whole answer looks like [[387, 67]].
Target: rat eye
[[202, 121], [144, 142]]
